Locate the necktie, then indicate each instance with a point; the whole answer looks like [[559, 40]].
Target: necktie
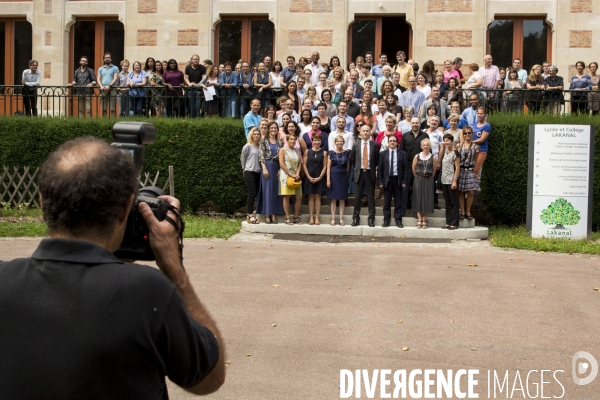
[[392, 163], [365, 156]]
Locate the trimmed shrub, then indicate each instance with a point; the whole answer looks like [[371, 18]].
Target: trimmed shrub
[[205, 155], [504, 177]]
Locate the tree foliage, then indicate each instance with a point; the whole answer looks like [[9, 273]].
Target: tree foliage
[[560, 213]]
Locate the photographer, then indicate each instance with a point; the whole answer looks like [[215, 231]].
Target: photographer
[[80, 323]]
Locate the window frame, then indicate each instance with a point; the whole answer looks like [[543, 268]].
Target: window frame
[[10, 103], [98, 43], [9, 46], [518, 23], [379, 37], [246, 36]]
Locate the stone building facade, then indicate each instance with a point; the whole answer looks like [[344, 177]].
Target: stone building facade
[[427, 29]]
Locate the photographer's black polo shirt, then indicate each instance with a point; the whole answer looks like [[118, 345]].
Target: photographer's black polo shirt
[[77, 323]]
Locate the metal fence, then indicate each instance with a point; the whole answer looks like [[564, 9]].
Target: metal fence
[[79, 102], [65, 101], [558, 102]]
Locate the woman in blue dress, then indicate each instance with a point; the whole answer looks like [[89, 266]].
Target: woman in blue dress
[[269, 202], [338, 166]]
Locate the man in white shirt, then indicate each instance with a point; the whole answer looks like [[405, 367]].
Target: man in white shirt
[[289, 108], [383, 114], [315, 67], [341, 131], [31, 79]]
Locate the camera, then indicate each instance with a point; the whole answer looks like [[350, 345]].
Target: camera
[[130, 138]]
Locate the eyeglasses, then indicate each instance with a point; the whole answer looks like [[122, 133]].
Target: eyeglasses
[[468, 133]]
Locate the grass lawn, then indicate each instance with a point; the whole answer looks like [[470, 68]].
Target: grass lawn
[[517, 238], [15, 223]]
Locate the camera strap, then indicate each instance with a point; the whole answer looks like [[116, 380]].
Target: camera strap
[[179, 227]]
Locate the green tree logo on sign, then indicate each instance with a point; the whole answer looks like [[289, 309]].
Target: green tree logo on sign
[[560, 213]]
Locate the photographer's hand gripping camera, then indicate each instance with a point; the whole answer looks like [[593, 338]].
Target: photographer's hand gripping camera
[[130, 138]]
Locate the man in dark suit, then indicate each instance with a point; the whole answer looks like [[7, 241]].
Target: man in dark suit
[[392, 176], [364, 156]]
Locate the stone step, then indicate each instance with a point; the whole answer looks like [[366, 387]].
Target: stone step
[[406, 221], [326, 209], [477, 232], [378, 202]]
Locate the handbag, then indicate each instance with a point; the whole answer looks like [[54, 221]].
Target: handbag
[[291, 182]]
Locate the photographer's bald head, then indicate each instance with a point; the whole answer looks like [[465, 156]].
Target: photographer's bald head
[[86, 190]]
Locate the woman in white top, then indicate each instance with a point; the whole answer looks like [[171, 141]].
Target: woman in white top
[[422, 85], [475, 81], [211, 79], [322, 85], [305, 118], [274, 81], [338, 77]]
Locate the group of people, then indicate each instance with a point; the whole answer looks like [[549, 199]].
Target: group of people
[[294, 154], [158, 88]]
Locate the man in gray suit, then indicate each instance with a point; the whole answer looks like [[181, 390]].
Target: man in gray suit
[[364, 156]]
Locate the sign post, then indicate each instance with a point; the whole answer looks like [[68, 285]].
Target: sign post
[[560, 181]]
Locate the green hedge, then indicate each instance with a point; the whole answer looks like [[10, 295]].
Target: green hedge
[[504, 178], [205, 155]]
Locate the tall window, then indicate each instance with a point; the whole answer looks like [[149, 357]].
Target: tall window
[[379, 35], [15, 53], [92, 39], [246, 38], [526, 38], [15, 45]]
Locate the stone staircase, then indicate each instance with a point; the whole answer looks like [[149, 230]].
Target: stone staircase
[[467, 229]]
